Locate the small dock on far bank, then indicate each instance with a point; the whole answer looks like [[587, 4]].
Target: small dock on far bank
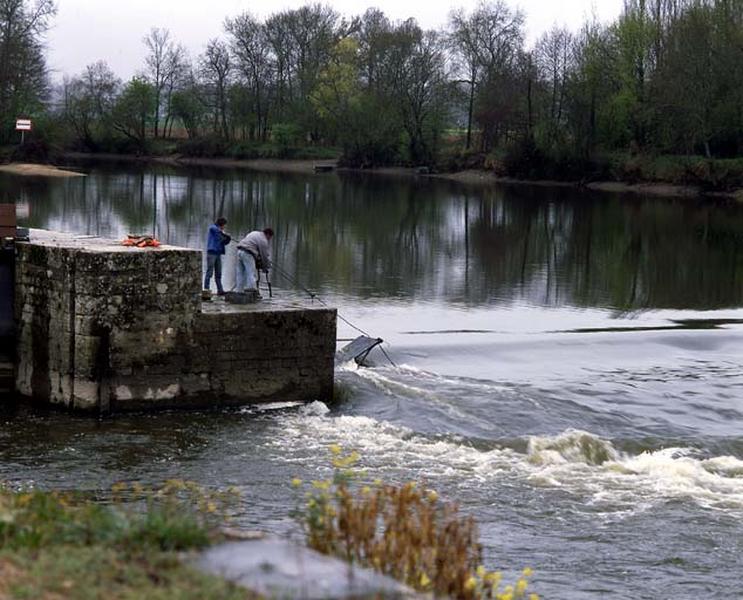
[[105, 328]]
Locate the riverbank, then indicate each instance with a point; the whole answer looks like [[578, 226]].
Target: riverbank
[[173, 541], [257, 164], [653, 189], [36, 170], [66, 545], [471, 176]]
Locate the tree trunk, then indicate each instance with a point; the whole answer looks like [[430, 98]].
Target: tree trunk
[[469, 114]]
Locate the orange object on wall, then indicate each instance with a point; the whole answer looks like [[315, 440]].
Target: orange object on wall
[[141, 241]]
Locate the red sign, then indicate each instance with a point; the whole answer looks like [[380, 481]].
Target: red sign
[[23, 125]]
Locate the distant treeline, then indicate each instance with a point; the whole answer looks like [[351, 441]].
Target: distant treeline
[[666, 78]]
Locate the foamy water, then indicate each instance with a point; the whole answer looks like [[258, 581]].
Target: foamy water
[[574, 461]]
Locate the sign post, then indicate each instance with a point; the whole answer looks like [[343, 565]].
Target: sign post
[[23, 125]]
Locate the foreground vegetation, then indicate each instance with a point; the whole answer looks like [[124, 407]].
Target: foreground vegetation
[[55, 545], [404, 532], [663, 80], [73, 545]]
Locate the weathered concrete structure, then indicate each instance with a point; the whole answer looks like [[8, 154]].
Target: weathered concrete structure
[[105, 328]]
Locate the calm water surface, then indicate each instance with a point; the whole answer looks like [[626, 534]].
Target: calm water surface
[[569, 366]]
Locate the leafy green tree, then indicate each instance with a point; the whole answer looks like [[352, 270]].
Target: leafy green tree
[[23, 73], [134, 109], [368, 132], [88, 103], [253, 62], [189, 105], [590, 87]]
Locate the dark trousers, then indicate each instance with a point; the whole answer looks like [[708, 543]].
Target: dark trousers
[[214, 267]]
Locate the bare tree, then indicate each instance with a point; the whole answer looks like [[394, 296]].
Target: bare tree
[[166, 63], [553, 54], [253, 61], [89, 102], [485, 44], [215, 68]]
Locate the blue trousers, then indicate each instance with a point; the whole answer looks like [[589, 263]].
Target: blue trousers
[[214, 267]]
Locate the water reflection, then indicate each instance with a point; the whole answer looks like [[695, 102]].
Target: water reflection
[[424, 239]]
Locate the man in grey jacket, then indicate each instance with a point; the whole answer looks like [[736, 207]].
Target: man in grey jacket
[[253, 255]]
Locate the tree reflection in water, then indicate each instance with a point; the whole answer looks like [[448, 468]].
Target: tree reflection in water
[[422, 238]]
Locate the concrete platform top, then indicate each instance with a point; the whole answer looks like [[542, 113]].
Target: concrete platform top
[[91, 243], [217, 306]]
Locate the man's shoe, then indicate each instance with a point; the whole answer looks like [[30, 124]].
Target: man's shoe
[[221, 293]]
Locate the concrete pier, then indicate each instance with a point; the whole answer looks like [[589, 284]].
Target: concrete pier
[[7, 325], [106, 328]]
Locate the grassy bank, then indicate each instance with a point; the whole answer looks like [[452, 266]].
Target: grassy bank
[[132, 544], [528, 162], [658, 175], [68, 546]]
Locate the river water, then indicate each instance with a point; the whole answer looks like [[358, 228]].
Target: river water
[[568, 366]]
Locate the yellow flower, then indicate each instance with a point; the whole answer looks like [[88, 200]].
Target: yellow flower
[[296, 482], [366, 490], [378, 482], [321, 485], [432, 496], [24, 499], [533, 596], [335, 449], [481, 572], [424, 580], [211, 507], [521, 586], [528, 572], [493, 578], [470, 584]]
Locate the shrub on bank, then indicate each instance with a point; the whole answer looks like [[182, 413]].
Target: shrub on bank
[[34, 150], [708, 174], [202, 147], [405, 532], [455, 160], [214, 147]]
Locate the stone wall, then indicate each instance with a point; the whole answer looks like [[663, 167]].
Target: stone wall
[[105, 328]]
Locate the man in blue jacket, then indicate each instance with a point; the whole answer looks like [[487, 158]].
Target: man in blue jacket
[[215, 249]]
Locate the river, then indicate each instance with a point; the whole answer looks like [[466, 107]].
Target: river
[[568, 366]]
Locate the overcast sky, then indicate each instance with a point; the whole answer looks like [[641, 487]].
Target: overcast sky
[[85, 31]]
